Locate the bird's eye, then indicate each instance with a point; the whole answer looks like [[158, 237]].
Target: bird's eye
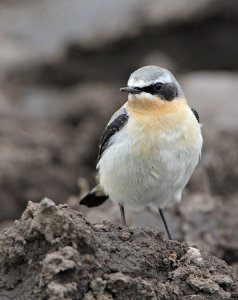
[[157, 86]]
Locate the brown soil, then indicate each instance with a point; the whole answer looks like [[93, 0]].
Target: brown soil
[[52, 252]]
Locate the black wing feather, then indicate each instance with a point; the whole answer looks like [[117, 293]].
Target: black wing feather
[[195, 113], [110, 130]]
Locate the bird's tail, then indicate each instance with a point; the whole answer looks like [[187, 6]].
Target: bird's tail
[[94, 198]]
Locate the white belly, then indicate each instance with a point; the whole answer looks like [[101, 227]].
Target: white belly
[[139, 169]]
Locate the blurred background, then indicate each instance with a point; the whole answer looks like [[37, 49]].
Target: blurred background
[[62, 63]]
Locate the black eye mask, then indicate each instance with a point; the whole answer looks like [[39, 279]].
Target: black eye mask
[[166, 91]]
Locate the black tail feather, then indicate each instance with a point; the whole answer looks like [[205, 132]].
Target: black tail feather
[[92, 200]]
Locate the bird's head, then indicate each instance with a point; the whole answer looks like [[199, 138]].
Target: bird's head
[[152, 83]]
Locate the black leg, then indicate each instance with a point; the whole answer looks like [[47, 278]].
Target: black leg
[[165, 223], [123, 218]]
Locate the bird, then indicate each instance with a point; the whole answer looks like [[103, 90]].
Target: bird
[[150, 147]]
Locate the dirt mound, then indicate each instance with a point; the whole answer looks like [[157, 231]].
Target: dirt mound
[[52, 252]]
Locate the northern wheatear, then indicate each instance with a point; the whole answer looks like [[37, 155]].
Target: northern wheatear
[[150, 146]]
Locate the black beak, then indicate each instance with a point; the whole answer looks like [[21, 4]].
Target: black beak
[[130, 90]]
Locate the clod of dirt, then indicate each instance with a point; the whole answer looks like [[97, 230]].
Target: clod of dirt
[[52, 252]]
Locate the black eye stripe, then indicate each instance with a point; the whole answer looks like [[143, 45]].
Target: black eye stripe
[[166, 91], [151, 89]]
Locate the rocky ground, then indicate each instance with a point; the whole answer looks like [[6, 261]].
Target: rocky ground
[[52, 253]]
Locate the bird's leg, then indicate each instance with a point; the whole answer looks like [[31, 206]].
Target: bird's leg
[[165, 223], [123, 218]]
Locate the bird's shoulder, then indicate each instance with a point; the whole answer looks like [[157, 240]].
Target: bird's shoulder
[[195, 113], [116, 123]]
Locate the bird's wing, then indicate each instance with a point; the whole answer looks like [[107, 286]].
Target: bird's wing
[[97, 196], [117, 121], [195, 113]]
